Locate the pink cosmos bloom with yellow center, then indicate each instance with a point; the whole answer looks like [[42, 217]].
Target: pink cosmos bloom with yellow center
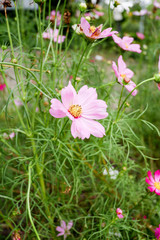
[[53, 34], [64, 229], [125, 44], [157, 232], [2, 86], [154, 182], [119, 213], [53, 16], [124, 75], [81, 108], [93, 32], [140, 35]]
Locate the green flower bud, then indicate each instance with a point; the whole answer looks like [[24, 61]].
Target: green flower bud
[[4, 47], [157, 78], [82, 7]]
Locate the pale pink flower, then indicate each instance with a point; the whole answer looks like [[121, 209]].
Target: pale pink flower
[[53, 16], [18, 102], [141, 12], [125, 44], [124, 75], [53, 34], [12, 135], [157, 18], [119, 213], [64, 229], [2, 86], [154, 182], [156, 4], [157, 232], [93, 32], [140, 35], [98, 13], [81, 108]]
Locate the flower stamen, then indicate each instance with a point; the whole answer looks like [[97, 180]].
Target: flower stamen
[[75, 110], [157, 185]]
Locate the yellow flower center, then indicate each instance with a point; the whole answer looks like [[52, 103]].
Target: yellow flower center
[[92, 28], [75, 110], [157, 185], [123, 75]]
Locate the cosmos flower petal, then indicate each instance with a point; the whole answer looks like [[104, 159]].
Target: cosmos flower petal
[[61, 230], [157, 191], [115, 69], [67, 95], [57, 109], [86, 27], [86, 95], [63, 224], [157, 175], [149, 182], [70, 224], [151, 188], [90, 113], [158, 86], [150, 176], [135, 48], [129, 73], [130, 87], [121, 65]]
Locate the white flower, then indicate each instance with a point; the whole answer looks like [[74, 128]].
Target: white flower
[[82, 6], [77, 28], [113, 173], [98, 58]]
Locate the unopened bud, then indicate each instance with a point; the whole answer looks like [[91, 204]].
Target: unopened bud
[[157, 78], [78, 79], [48, 71], [127, 80], [14, 60], [88, 18], [127, 104], [82, 7], [4, 47]]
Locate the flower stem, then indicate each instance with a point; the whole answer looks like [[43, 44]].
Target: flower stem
[[146, 80]]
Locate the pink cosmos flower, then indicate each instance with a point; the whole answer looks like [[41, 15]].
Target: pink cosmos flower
[[124, 75], [125, 44], [2, 86], [141, 12], [10, 136], [157, 232], [53, 16], [93, 32], [81, 108], [18, 102], [154, 182], [140, 35], [54, 35], [119, 213], [98, 13], [64, 229], [156, 4]]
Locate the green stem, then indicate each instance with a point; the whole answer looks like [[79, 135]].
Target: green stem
[[146, 80], [85, 49], [28, 203], [41, 41], [119, 102], [9, 33]]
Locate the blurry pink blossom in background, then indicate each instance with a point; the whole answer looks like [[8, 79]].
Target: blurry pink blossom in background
[[93, 32], [125, 44], [81, 108], [119, 213], [124, 75], [64, 229], [156, 4], [154, 182], [2, 86], [53, 17], [141, 12], [140, 35], [99, 14], [157, 232], [10, 136], [18, 102], [53, 34]]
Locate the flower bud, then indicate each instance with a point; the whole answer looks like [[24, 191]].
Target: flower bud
[[14, 60], [88, 18], [4, 47], [82, 7], [157, 78]]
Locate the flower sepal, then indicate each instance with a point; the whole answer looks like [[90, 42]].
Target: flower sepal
[[157, 78]]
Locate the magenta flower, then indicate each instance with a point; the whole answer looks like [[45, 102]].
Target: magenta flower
[[125, 44], [124, 75], [141, 12], [119, 213], [64, 229], [53, 17], [2, 86], [156, 4], [157, 232], [53, 34], [140, 35], [154, 182], [93, 32], [81, 108]]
